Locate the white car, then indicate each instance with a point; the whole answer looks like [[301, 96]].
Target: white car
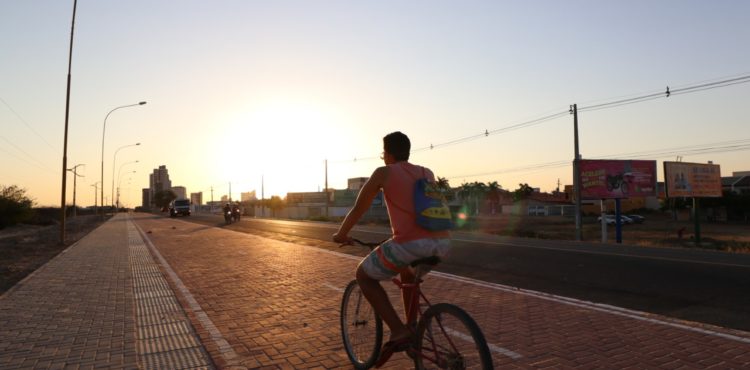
[[611, 219]]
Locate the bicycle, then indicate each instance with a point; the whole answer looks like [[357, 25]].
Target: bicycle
[[446, 337]]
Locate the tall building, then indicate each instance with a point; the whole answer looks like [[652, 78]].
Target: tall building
[[196, 198], [248, 196], [146, 198], [180, 192], [158, 181]]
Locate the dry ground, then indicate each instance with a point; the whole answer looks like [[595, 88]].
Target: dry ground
[[25, 248]]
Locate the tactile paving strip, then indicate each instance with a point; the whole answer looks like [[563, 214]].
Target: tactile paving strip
[[165, 338]]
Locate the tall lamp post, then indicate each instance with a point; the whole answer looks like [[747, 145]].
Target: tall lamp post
[[114, 160], [104, 129], [75, 177], [65, 136]]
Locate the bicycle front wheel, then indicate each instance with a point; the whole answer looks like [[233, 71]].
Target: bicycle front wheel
[[361, 328], [448, 338]]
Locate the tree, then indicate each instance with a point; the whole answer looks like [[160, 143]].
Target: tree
[[444, 187], [523, 192], [275, 204], [493, 190], [15, 206], [162, 198]]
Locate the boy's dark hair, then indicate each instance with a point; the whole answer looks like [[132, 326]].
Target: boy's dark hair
[[398, 145]]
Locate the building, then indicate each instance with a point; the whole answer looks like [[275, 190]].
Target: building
[[146, 198], [180, 192], [248, 196], [196, 198], [356, 183], [158, 181], [738, 183]]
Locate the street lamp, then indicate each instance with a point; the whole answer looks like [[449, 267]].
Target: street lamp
[[75, 177], [119, 181], [114, 160], [104, 129]]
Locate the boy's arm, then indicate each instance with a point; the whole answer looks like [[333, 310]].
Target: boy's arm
[[364, 199]]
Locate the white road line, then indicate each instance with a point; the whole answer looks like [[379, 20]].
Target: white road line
[[493, 348], [614, 310], [333, 287], [224, 348]]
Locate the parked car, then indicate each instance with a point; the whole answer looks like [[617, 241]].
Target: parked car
[[611, 219], [637, 218]]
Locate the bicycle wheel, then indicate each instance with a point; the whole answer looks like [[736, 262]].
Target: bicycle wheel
[[361, 328], [448, 338]]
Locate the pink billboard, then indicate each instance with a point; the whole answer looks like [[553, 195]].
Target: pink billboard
[[606, 179]]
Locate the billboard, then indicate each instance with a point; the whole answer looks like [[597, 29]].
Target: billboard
[[606, 179], [694, 180]]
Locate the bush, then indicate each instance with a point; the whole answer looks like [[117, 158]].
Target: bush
[[15, 206]]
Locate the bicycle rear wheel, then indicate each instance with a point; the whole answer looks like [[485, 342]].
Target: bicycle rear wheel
[[361, 328], [448, 338]]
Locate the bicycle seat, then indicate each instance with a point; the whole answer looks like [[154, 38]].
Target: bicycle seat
[[431, 261]]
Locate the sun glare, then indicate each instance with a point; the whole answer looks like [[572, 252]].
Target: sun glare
[[286, 142]]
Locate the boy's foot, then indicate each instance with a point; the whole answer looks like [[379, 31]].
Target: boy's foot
[[392, 346]]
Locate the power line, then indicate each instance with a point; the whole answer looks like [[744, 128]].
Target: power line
[[38, 162], [690, 88], [27, 124], [721, 147]]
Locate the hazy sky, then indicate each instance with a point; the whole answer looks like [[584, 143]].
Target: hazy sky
[[241, 89]]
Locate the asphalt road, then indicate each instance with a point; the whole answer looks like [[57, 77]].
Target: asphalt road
[[696, 285]]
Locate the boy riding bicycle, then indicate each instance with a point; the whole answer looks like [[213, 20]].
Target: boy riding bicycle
[[409, 242]]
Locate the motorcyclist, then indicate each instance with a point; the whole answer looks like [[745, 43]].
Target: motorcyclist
[[236, 211], [227, 212]]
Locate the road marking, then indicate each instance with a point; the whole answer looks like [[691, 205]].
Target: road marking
[[333, 287], [225, 349], [493, 348], [614, 310]]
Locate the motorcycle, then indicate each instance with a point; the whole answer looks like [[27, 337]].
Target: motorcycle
[[228, 217], [236, 214]]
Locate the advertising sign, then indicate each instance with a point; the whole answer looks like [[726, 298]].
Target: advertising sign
[[692, 180], [607, 179]]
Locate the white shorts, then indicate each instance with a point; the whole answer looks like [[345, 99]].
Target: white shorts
[[390, 258]]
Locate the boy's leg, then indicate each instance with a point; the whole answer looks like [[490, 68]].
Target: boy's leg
[[378, 298]]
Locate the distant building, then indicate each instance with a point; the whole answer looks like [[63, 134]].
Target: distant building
[[158, 181], [738, 183], [248, 196], [196, 198], [356, 183], [180, 192], [146, 198]]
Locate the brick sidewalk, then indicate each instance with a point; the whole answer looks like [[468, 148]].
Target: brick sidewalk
[[85, 309], [276, 304]]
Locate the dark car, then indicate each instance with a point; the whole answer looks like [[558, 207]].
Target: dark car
[[637, 219]]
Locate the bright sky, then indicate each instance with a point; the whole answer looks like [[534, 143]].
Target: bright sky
[[237, 90]]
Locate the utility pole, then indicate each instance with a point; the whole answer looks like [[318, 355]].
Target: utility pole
[[230, 192], [577, 173], [65, 140], [96, 191], [75, 177], [262, 197], [326, 189]]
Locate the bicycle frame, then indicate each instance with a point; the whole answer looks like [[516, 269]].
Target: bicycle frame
[[414, 312]]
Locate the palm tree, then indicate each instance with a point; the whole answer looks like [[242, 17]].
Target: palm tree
[[444, 187], [493, 189], [478, 191]]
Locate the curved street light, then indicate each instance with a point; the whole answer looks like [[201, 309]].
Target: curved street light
[[114, 160], [104, 129]]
